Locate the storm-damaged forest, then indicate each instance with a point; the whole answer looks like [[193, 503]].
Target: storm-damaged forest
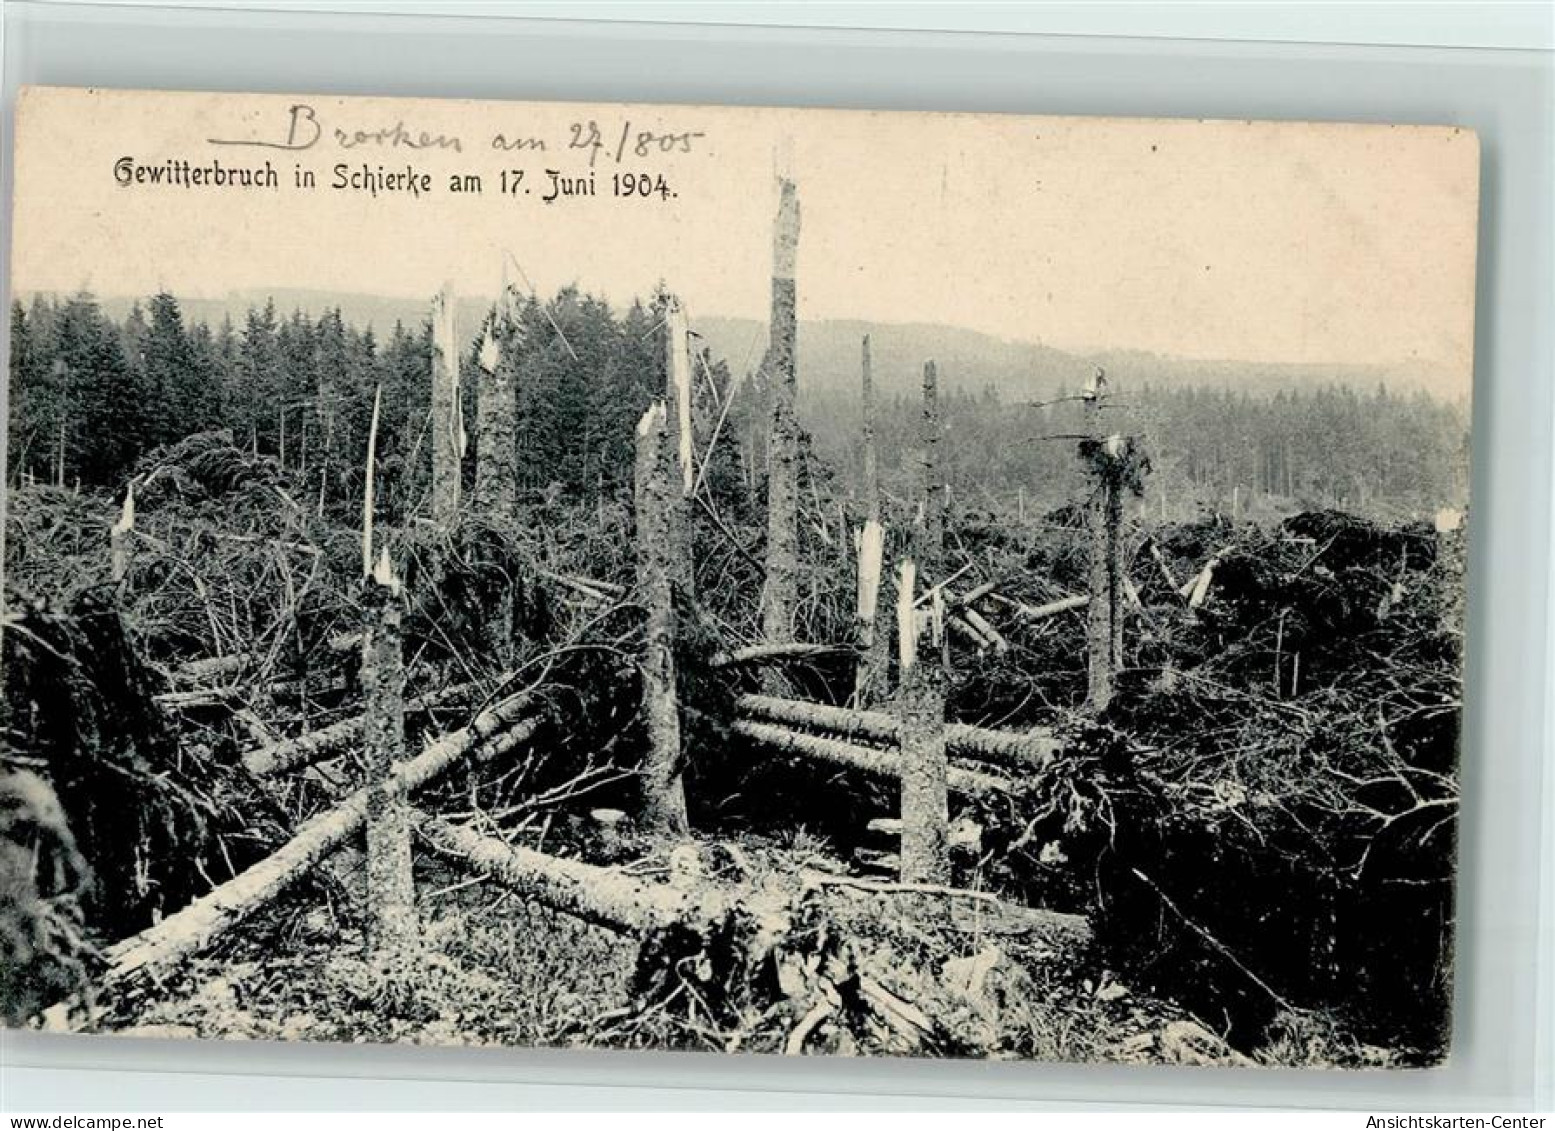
[[535, 672]]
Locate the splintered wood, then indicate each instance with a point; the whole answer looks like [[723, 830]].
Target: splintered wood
[[496, 415], [870, 681]]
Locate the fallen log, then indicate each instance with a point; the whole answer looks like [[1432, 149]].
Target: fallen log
[[980, 623], [1197, 588], [871, 760], [198, 671], [1052, 608], [605, 897], [507, 724], [219, 667], [761, 653], [1033, 750], [326, 742]]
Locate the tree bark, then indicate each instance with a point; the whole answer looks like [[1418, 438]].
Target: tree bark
[[780, 587], [447, 413], [664, 800]]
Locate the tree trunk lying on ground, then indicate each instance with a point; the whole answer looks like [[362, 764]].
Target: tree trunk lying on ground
[[761, 653], [753, 949], [1031, 751], [507, 724], [881, 763], [605, 897], [327, 742], [220, 667]]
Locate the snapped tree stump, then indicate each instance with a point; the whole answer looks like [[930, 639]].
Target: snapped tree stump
[[447, 414], [869, 684], [780, 587], [496, 415], [391, 894], [664, 799], [920, 698]]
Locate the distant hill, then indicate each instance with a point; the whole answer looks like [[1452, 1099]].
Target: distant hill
[[829, 358], [829, 351]]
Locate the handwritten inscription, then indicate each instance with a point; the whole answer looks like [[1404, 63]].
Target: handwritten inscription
[[570, 170], [301, 129]]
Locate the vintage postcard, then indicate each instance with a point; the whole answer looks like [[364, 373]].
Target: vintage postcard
[[754, 580]]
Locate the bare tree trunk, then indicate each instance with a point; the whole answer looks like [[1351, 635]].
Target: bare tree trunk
[[780, 587], [679, 438], [59, 465], [664, 799], [1103, 630], [391, 894], [925, 802], [447, 415], [870, 680], [496, 414]]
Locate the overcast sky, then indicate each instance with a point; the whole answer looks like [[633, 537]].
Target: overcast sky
[[1257, 241]]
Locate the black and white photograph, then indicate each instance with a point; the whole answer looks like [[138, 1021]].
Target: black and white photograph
[[739, 580]]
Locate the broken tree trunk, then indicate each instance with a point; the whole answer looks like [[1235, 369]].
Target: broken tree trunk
[[679, 439], [391, 893], [870, 679], [1104, 615], [496, 428], [495, 731], [331, 741], [664, 799], [496, 464], [869, 759], [121, 541], [766, 653], [925, 806], [447, 413], [605, 897], [780, 587], [1027, 752]]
